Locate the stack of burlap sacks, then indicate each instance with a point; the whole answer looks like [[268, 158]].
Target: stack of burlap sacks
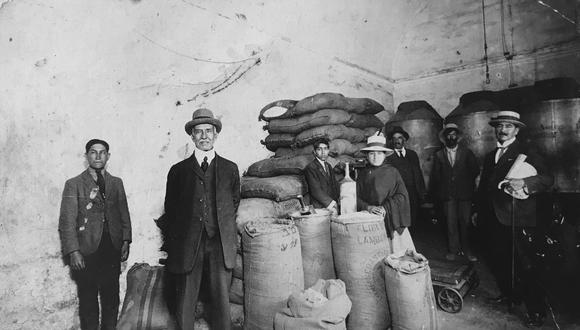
[[279, 261], [313, 271], [270, 186]]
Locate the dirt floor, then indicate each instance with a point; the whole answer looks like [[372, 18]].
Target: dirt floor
[[478, 313]]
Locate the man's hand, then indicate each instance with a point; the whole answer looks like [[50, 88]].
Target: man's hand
[[125, 251], [474, 219], [77, 261], [378, 210], [516, 184]]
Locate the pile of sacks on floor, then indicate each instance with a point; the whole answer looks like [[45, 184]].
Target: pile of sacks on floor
[[320, 271]]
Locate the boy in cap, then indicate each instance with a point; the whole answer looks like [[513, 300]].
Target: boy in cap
[[95, 232]]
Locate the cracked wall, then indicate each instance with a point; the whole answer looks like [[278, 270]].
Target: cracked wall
[[132, 72]]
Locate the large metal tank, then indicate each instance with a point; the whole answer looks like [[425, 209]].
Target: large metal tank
[[472, 115], [553, 127], [423, 123]]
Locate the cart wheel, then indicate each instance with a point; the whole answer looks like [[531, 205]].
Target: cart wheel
[[449, 300]]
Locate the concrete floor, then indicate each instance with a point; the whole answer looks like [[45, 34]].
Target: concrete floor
[[477, 313]]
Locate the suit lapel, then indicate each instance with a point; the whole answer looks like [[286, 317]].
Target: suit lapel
[[458, 155], [320, 168], [108, 184], [509, 155], [90, 185], [88, 181], [195, 165]]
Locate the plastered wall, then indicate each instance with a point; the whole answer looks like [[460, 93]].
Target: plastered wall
[[441, 54], [132, 72]]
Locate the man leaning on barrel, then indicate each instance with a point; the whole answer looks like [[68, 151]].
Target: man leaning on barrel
[[500, 212], [201, 201]]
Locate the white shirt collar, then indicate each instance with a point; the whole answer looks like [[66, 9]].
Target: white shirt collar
[[402, 151], [451, 149], [200, 155], [506, 143], [323, 163]]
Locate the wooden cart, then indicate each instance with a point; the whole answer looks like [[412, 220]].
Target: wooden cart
[[452, 280]]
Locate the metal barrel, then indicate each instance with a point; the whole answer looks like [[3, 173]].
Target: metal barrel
[[553, 127], [472, 115]]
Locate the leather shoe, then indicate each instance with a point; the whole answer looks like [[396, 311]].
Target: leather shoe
[[534, 320]]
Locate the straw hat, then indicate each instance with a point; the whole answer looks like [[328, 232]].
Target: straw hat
[[377, 143], [507, 117]]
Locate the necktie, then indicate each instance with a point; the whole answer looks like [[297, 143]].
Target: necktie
[[100, 182], [501, 151], [400, 154], [204, 164]]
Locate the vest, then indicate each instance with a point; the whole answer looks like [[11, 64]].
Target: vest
[[205, 192]]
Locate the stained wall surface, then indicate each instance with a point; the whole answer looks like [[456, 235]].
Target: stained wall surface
[[441, 55], [132, 72]]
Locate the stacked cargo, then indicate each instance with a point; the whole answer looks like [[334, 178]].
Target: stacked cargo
[[270, 187]]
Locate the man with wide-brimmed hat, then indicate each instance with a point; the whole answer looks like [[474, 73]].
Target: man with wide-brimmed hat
[[407, 163], [201, 201], [453, 184], [509, 223]]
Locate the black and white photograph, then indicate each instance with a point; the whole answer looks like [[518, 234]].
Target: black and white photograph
[[289, 165]]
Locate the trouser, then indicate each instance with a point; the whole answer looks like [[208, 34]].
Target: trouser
[[99, 279], [458, 214], [527, 285], [208, 273]]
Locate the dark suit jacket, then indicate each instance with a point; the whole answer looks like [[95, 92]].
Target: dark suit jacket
[[410, 170], [83, 212], [492, 199], [323, 187], [457, 182], [183, 215]]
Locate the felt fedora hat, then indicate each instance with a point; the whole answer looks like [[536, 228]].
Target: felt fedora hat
[[447, 128], [203, 116], [397, 129], [377, 143], [507, 117]]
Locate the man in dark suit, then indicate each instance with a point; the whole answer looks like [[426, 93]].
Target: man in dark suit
[[201, 201], [322, 184], [453, 184], [510, 221], [407, 163], [95, 232]]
